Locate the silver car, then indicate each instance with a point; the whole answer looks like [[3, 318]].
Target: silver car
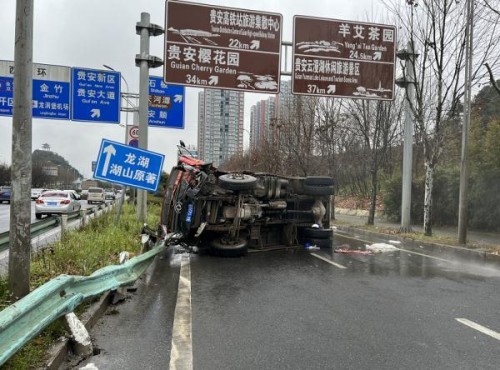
[[56, 202]]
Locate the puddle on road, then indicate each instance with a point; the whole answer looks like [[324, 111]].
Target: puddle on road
[[410, 263]]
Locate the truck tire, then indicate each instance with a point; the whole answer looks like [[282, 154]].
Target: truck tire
[[224, 247], [318, 190], [237, 181], [318, 180], [311, 232]]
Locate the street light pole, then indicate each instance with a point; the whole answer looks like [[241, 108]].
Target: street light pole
[[408, 83], [464, 169]]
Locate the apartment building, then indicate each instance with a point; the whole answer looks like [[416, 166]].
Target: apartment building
[[220, 125]]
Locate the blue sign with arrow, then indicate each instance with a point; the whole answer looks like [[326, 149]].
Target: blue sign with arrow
[[95, 95], [166, 104], [129, 166]]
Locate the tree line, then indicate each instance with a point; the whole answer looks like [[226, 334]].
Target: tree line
[[359, 142]]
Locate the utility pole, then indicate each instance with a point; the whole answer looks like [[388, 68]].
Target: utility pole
[[145, 61], [464, 169], [408, 83], [20, 208]]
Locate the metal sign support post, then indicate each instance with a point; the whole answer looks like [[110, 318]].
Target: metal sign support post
[[145, 61], [407, 82], [20, 209]]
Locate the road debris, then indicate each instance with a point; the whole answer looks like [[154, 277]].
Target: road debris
[[353, 251], [380, 247]]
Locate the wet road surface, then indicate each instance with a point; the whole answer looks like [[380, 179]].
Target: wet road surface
[[302, 310]]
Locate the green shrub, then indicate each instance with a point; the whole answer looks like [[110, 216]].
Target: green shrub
[[445, 197], [484, 201]]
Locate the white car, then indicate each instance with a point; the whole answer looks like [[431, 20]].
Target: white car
[[56, 202], [96, 195]]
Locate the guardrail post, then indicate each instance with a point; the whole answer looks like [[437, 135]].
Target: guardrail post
[[83, 214], [64, 224]]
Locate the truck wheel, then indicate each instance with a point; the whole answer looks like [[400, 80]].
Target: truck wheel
[[312, 232], [226, 247], [318, 190], [319, 180], [237, 181], [38, 216]]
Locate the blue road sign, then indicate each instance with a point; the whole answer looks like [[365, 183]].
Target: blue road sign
[[95, 95], [166, 104], [51, 90], [126, 165]]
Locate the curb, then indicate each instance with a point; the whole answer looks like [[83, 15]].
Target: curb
[[413, 243], [59, 353], [356, 212]]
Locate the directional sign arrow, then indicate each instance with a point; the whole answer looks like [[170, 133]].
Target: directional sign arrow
[[331, 89], [255, 44], [110, 151], [95, 113], [377, 55], [213, 80], [178, 98]]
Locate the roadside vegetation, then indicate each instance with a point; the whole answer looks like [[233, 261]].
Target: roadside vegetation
[[360, 142], [78, 253]]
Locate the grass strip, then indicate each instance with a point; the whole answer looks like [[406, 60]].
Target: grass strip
[[79, 252]]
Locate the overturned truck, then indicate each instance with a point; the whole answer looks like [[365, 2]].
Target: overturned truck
[[227, 213]]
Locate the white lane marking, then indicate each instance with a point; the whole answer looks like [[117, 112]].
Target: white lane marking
[[328, 261], [482, 329], [425, 255], [181, 355]]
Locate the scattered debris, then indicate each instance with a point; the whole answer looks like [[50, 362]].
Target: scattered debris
[[353, 251], [394, 242], [380, 247], [82, 345], [125, 256], [118, 295], [89, 367]]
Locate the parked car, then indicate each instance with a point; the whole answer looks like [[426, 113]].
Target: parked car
[[95, 195], [56, 202], [228, 212], [110, 194], [5, 195]]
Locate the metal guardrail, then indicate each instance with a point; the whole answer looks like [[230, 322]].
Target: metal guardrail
[[43, 226], [27, 317]]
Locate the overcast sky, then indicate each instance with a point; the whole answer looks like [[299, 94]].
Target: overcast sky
[[90, 33]]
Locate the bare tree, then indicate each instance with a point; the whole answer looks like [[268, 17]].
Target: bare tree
[[492, 78], [378, 125], [297, 131], [436, 29]]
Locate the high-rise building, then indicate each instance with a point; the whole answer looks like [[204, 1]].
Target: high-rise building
[[261, 117], [220, 125], [264, 115]]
